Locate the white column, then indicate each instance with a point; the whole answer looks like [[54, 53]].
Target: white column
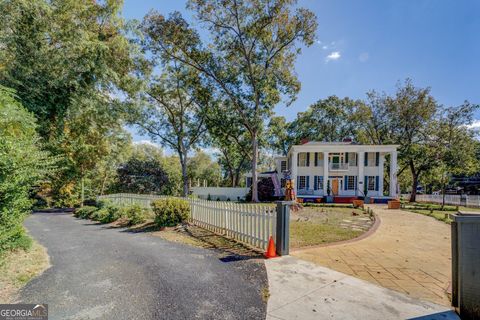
[[381, 161], [293, 170], [325, 172], [393, 174], [361, 173]]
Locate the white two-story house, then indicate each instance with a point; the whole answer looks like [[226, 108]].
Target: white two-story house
[[347, 169]]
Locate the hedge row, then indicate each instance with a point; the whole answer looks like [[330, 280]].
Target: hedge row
[[168, 212], [106, 212]]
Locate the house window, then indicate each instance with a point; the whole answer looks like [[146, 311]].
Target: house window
[[282, 182], [371, 159], [318, 183], [303, 159], [350, 183], [352, 159], [283, 165], [302, 182], [318, 159], [371, 183], [249, 182]]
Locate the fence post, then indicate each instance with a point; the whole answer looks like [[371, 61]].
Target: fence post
[[283, 227], [465, 258]]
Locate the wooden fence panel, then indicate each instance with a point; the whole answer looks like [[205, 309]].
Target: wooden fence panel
[[252, 224]]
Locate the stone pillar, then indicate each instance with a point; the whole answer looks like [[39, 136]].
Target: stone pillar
[[325, 172], [381, 161], [293, 170], [361, 173], [393, 174]]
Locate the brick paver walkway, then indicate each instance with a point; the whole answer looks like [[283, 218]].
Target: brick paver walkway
[[409, 253]]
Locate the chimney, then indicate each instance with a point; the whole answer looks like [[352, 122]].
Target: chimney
[[304, 141]]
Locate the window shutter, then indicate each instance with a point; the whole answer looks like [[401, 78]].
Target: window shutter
[[308, 159], [377, 178], [355, 182], [320, 181], [345, 179], [377, 159], [307, 181], [315, 181], [366, 159], [346, 157], [298, 159], [298, 183], [366, 183], [316, 159]]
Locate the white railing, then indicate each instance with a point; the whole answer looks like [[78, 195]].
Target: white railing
[[338, 166], [451, 199], [222, 193], [252, 224]]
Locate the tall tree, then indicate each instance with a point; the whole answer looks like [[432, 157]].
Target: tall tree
[[229, 136], [22, 166], [278, 135], [63, 57], [201, 167], [250, 58], [330, 119], [455, 144], [171, 108], [408, 118]]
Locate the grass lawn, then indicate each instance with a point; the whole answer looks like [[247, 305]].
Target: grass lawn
[[435, 210], [18, 267], [314, 225]]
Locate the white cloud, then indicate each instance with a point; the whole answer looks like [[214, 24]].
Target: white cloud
[[149, 142], [475, 125], [363, 57], [335, 55]]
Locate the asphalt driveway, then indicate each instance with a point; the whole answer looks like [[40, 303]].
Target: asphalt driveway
[[102, 273]]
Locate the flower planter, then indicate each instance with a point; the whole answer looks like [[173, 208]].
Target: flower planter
[[358, 203], [394, 204]]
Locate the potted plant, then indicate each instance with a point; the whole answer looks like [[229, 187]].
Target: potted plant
[[329, 198]]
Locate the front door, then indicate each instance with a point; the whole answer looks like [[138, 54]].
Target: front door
[[335, 187]]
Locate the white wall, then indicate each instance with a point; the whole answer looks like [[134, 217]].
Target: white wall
[[223, 193]]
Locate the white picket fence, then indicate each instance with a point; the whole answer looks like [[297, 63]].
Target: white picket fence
[[451, 199], [252, 224]]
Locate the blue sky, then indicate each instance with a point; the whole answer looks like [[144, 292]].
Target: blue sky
[[372, 44]]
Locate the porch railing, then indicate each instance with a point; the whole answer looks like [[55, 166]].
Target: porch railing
[[338, 166]]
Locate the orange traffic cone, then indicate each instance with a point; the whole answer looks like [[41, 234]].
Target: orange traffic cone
[[271, 249]]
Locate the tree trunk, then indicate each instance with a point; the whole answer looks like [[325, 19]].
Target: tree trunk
[[183, 160], [254, 167], [413, 195], [104, 182], [237, 177], [83, 191], [444, 186]]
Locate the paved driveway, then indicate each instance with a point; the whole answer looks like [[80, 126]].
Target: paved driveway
[[409, 253], [101, 273]]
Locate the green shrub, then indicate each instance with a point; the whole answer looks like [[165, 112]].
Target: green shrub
[[108, 213], [136, 214], [170, 212], [85, 212], [23, 165]]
